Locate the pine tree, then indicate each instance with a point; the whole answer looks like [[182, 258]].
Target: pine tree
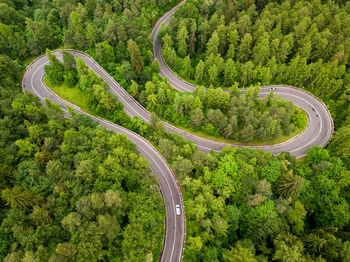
[[156, 65], [55, 70], [289, 185], [19, 198], [261, 52], [68, 61], [153, 121], [244, 48], [213, 44], [247, 74], [187, 67], [228, 131], [230, 72], [162, 96], [222, 33], [199, 72], [170, 56], [230, 10], [182, 37], [213, 74], [91, 35], [230, 54], [192, 39], [167, 41], [134, 89], [135, 57]]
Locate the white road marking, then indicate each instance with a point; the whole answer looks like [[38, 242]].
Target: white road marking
[[116, 88], [140, 147]]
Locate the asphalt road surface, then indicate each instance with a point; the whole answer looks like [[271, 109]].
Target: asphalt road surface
[[318, 132], [175, 224]]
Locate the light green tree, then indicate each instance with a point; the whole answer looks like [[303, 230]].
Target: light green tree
[[213, 44], [199, 77], [230, 72], [196, 117], [239, 254], [182, 38], [187, 67], [134, 89], [285, 253], [213, 74], [244, 49]]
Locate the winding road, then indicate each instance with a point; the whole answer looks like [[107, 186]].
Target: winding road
[[318, 132], [175, 224]]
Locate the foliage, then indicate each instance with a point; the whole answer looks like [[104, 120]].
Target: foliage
[[300, 43], [293, 217], [236, 115], [74, 191]]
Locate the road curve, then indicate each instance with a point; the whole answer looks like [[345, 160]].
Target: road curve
[[318, 132], [175, 224]]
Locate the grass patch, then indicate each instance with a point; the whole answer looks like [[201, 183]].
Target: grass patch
[[255, 142], [72, 94], [79, 98]]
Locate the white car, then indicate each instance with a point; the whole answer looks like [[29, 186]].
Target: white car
[[178, 210], [273, 88]]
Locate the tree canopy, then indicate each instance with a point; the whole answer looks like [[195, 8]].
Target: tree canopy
[[72, 191]]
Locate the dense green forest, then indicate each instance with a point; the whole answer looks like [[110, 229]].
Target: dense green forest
[[72, 73], [246, 205], [267, 119], [119, 40], [243, 203], [300, 43], [235, 116], [72, 191]]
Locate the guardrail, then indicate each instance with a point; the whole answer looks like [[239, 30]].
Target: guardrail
[[192, 86], [319, 100], [178, 187]]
